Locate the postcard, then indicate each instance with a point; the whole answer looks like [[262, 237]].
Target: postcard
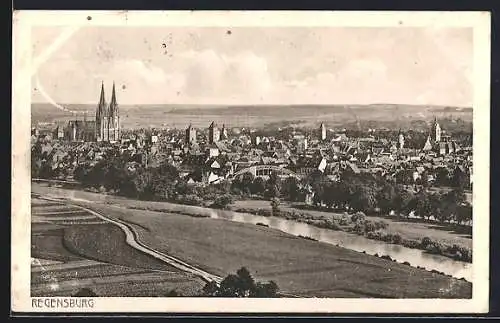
[[250, 162]]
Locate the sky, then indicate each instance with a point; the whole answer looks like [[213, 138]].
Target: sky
[[282, 65]]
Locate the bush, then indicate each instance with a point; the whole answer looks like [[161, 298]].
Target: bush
[[263, 212], [85, 292], [334, 226], [222, 201], [411, 243], [358, 217], [173, 293], [436, 248], [381, 225], [190, 199], [426, 241], [397, 239], [359, 228], [387, 237], [370, 226], [344, 220]]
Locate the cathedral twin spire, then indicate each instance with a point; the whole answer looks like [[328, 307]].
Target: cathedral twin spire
[[107, 118], [103, 110]]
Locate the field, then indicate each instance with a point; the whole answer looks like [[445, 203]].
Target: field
[[73, 250], [179, 116], [299, 266]]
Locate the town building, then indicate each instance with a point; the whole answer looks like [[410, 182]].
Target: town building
[[190, 134], [213, 133]]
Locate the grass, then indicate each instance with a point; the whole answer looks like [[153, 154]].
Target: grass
[[298, 265], [156, 288], [106, 243], [48, 244], [97, 271]]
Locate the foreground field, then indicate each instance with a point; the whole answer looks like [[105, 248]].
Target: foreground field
[[105, 264], [299, 266]]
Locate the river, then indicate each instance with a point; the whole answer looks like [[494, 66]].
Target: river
[[415, 257]]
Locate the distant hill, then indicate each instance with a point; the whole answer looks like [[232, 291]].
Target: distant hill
[[388, 115]]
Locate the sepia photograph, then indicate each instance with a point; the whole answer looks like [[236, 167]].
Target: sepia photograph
[[159, 158]]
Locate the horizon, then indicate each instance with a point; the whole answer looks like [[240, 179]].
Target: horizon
[[222, 105]]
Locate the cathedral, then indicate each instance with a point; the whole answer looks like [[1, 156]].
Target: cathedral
[[107, 118]]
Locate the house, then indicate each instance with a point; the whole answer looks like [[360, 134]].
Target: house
[[212, 151]]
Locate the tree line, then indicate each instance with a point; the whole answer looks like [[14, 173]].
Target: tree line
[[369, 193]]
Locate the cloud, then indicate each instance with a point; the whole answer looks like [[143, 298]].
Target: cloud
[[212, 75], [142, 82], [282, 66]]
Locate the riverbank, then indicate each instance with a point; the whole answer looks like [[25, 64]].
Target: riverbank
[[299, 266], [429, 237]]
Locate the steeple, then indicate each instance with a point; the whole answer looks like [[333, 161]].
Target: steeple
[[113, 105], [101, 108]]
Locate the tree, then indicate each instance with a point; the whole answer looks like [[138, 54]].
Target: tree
[[459, 179], [258, 186], [85, 292], [246, 182], [230, 287], [387, 198], [273, 185], [164, 178], [364, 198], [464, 213], [275, 205], [405, 202], [442, 176], [423, 207], [241, 284], [265, 290], [210, 289], [291, 189], [173, 293], [451, 202], [247, 283]]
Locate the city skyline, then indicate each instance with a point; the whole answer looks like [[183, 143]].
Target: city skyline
[[235, 66]]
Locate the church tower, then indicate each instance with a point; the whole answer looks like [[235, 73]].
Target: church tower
[[322, 132], [114, 118], [223, 133], [100, 116], [401, 140], [435, 131], [213, 133], [190, 134]]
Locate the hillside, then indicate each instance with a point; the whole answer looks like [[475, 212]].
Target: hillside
[[382, 115]]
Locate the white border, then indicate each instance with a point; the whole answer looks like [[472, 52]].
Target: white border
[[23, 67]]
